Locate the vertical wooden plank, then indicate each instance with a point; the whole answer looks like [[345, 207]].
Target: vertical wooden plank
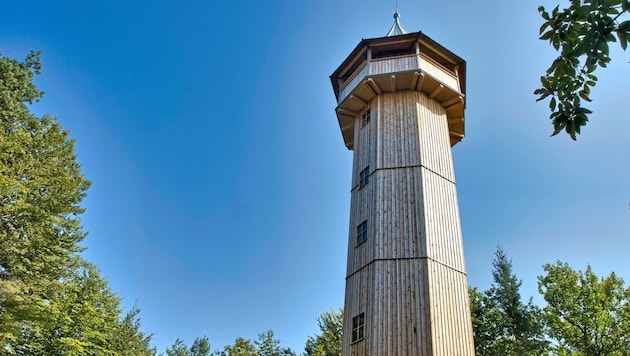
[[409, 278]]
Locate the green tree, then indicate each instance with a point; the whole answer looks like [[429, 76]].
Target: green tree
[[586, 315], [581, 34], [41, 187], [200, 347], [502, 324], [84, 319], [52, 302], [241, 347], [485, 318], [265, 345], [328, 341], [268, 345], [178, 348], [128, 339]]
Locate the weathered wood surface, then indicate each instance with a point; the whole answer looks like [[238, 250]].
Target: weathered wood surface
[[398, 64], [356, 78], [444, 75], [409, 276]]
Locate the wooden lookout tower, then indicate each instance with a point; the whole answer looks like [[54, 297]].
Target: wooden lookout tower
[[401, 102]]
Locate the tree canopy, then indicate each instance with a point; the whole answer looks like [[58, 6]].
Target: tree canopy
[[178, 348], [200, 347], [581, 34], [41, 187], [52, 302], [584, 314], [241, 347], [266, 345], [328, 341], [587, 315], [502, 323]]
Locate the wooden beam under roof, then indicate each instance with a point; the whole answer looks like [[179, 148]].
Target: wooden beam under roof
[[436, 91], [420, 80], [358, 100], [453, 120], [351, 64], [346, 112], [456, 100], [374, 86]]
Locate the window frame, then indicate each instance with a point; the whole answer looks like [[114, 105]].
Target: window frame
[[364, 177], [366, 117], [358, 328], [362, 233]]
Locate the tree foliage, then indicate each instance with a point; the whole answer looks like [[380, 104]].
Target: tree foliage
[[502, 324], [328, 341], [265, 345], [178, 348], [52, 302], [581, 34], [268, 345], [241, 347], [41, 187], [587, 315], [129, 339], [200, 347], [485, 318], [82, 317]]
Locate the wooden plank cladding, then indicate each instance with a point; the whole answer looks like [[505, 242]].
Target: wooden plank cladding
[[400, 106], [410, 62], [393, 64], [356, 78], [430, 67], [408, 277], [414, 63], [396, 306], [451, 335], [403, 317]]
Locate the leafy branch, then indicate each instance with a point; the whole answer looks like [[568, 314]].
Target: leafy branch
[[580, 33]]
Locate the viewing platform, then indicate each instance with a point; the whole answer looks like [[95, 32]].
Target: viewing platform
[[412, 62]]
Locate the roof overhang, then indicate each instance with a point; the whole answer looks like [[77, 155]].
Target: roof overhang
[[351, 104]]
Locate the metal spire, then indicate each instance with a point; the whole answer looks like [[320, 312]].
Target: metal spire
[[397, 29]]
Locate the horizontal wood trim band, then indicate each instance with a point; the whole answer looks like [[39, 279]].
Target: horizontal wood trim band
[[356, 186], [405, 259]]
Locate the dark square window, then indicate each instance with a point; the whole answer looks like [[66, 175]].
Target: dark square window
[[364, 177], [362, 234], [358, 327], [365, 118]]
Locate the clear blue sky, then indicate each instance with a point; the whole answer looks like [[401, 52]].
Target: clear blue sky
[[220, 197]]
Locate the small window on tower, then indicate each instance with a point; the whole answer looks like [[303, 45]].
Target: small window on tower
[[358, 327], [364, 177], [366, 117], [362, 234]]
